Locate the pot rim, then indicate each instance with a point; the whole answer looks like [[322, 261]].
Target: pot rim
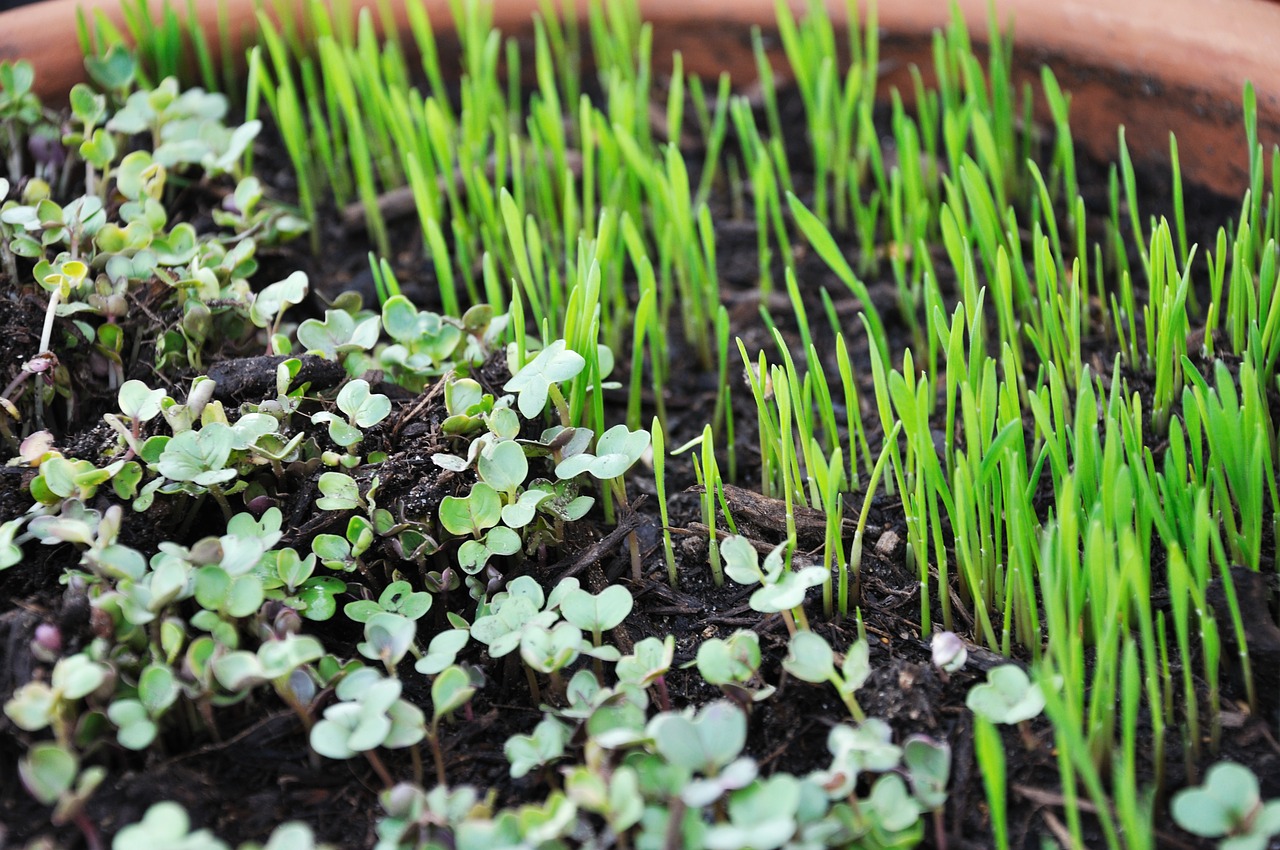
[[1154, 65]]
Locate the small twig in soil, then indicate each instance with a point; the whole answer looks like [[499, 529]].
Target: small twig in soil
[[1058, 828], [1044, 797], [412, 411], [681, 602], [602, 548], [633, 543], [484, 758], [1266, 733], [672, 611], [771, 515], [209, 749]]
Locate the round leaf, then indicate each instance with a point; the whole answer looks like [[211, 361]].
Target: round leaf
[[809, 658], [597, 612], [504, 466], [450, 691], [48, 771], [704, 743], [470, 515]]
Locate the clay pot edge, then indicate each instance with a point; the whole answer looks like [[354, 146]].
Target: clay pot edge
[[1156, 66]]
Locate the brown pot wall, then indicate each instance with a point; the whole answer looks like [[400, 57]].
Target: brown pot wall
[[1152, 65]]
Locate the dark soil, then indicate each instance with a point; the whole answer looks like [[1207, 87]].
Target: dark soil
[[255, 769]]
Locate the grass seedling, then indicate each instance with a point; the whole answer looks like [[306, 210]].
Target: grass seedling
[[707, 473], [855, 550], [714, 131], [856, 445], [1133, 806], [832, 544], [285, 105], [644, 311], [989, 750], [820, 238], [1073, 761], [384, 279], [723, 415], [1064, 158], [790, 462], [762, 389], [710, 486], [660, 488], [337, 71]]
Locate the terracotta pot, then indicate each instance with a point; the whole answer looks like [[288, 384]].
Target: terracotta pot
[[1153, 65]]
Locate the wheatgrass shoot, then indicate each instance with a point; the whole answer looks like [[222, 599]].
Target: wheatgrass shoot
[[989, 750], [821, 240], [855, 549]]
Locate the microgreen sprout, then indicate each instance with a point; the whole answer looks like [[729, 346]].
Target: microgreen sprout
[[442, 651], [370, 714], [340, 492], [1008, 696], [398, 597], [387, 638], [280, 661], [596, 613], [545, 745], [1228, 806], [450, 690], [648, 665], [363, 409], [52, 774], [781, 589], [732, 664], [165, 824], [269, 305], [37, 705], [139, 404], [928, 764], [616, 451], [811, 659], [948, 652], [540, 378], [705, 742]]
